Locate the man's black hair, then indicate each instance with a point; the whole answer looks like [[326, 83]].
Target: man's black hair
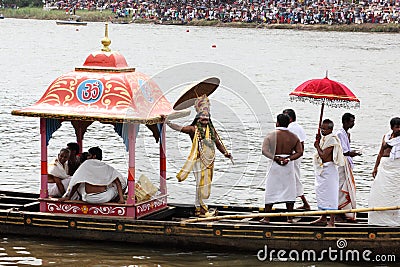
[[290, 112], [73, 146], [395, 121], [347, 117], [97, 152], [283, 120]]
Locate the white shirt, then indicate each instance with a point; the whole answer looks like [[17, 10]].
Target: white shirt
[[345, 142], [295, 128]]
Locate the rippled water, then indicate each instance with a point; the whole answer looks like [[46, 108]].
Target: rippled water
[[258, 69]]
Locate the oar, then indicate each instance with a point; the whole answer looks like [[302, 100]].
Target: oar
[[297, 213]]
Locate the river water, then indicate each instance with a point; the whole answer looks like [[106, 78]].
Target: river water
[[258, 69]]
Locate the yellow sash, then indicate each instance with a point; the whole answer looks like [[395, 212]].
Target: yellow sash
[[206, 154]]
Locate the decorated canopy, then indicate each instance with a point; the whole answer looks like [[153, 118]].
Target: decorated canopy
[[104, 89]]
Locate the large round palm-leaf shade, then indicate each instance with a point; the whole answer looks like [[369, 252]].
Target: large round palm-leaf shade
[[326, 91], [193, 91]]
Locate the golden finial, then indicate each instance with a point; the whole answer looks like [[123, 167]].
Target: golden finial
[[105, 41]]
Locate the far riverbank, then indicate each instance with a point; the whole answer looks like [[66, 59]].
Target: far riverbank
[[107, 15]]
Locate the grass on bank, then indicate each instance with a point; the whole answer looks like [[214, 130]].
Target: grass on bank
[[107, 15], [55, 14]]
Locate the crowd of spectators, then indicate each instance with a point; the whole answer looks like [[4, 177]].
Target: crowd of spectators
[[260, 11]]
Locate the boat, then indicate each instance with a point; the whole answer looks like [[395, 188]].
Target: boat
[[20, 215], [1, 16], [73, 20], [80, 97]]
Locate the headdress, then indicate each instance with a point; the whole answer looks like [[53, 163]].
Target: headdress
[[202, 105]]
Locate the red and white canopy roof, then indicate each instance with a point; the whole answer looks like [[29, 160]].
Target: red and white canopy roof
[[104, 89]]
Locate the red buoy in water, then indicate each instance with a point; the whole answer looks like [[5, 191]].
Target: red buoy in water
[[214, 46], [187, 30]]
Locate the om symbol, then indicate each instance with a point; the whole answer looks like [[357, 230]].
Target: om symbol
[[90, 91]]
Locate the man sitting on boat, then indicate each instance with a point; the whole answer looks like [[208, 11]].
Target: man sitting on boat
[[58, 178], [96, 181]]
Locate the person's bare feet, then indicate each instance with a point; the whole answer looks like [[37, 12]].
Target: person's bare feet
[[319, 222], [264, 221], [304, 207]]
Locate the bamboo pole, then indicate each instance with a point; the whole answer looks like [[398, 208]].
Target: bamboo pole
[[296, 213]]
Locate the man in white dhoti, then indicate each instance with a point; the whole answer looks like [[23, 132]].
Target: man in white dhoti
[[329, 155], [201, 158], [283, 147], [295, 128], [97, 182], [386, 186], [347, 185], [58, 178]]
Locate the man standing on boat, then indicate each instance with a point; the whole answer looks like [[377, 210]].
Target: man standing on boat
[[347, 185], [283, 147], [329, 155], [386, 186], [201, 159], [96, 181], [295, 128]]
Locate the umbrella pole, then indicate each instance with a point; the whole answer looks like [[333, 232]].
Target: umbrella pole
[[320, 118]]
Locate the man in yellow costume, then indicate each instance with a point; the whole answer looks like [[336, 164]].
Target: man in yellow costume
[[201, 158]]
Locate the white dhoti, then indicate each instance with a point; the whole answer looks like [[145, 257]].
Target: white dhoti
[[327, 187], [101, 197], [385, 192], [280, 185], [347, 190], [53, 188], [96, 172], [299, 185]]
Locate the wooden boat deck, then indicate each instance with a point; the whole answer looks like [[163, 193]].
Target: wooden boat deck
[[19, 214]]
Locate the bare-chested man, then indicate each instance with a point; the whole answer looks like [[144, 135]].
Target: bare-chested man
[[329, 155], [283, 147]]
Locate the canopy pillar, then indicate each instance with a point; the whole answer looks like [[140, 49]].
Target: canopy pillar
[[163, 161], [43, 164], [132, 129]]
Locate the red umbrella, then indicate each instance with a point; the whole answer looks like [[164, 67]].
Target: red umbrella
[[325, 92]]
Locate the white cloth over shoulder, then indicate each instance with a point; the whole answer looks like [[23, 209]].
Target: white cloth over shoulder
[[58, 170], [280, 185], [95, 172], [338, 157], [395, 144], [384, 193]]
